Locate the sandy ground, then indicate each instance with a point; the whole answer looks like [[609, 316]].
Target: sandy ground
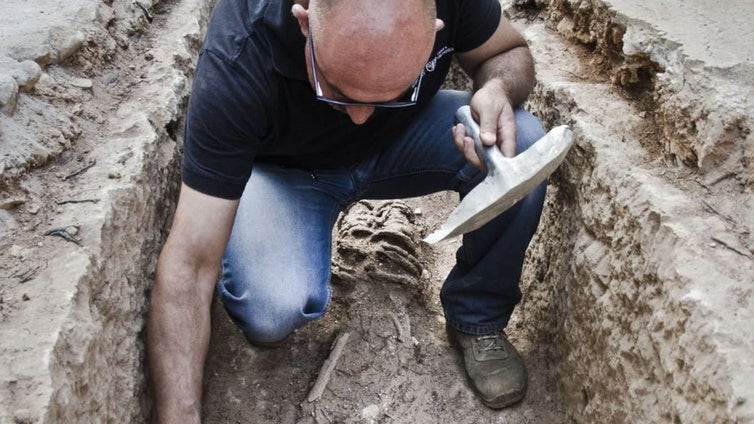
[[396, 366]]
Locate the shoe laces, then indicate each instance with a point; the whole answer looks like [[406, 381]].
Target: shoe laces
[[491, 342]]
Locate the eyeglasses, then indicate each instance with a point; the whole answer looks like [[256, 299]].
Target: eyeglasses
[[388, 105]]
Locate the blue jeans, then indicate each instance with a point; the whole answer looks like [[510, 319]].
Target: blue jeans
[[276, 269]]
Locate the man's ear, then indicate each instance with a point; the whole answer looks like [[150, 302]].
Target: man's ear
[[439, 24], [302, 16]]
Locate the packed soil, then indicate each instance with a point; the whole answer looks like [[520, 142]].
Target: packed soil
[[396, 365]]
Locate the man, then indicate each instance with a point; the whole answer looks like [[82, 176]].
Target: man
[[298, 110]]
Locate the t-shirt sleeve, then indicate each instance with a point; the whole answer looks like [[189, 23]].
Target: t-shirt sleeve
[[478, 20], [226, 125]]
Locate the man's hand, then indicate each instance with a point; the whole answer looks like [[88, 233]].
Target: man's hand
[[496, 121], [493, 111], [503, 73]]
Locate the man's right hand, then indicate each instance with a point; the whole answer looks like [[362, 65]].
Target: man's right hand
[[179, 317]]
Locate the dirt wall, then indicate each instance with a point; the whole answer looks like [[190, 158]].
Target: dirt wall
[[692, 82], [89, 181], [640, 278]]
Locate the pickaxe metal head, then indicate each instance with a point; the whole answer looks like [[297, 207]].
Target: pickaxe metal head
[[508, 179]]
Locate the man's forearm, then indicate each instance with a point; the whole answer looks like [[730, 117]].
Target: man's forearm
[[512, 72], [178, 338]]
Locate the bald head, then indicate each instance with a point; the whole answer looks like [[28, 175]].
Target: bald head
[[369, 50], [323, 8]]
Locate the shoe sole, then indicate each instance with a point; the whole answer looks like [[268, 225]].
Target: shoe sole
[[502, 402]]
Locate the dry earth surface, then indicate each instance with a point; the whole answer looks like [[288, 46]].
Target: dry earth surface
[[637, 288], [396, 366]]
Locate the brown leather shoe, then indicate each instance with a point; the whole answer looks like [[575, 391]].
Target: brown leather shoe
[[495, 369]]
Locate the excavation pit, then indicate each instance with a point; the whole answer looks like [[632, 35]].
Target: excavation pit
[[637, 287]]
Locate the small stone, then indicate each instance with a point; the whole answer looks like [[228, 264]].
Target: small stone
[[713, 245], [148, 56], [84, 83], [11, 203], [418, 211], [15, 251], [8, 94], [27, 74], [70, 45], [76, 110], [25, 297], [114, 175], [23, 416], [111, 78], [371, 413]]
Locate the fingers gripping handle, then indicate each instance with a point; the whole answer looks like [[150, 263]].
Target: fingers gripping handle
[[486, 153]]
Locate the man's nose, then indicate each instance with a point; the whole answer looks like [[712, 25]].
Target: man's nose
[[359, 114]]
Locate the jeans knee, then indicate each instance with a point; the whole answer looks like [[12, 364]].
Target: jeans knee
[[271, 316], [267, 324], [266, 329]]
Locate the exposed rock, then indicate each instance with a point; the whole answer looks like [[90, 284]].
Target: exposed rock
[[701, 95], [45, 32], [642, 318], [26, 73]]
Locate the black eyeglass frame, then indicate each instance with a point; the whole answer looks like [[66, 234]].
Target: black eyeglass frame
[[319, 94]]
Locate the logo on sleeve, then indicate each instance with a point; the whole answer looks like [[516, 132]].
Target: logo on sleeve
[[432, 64]]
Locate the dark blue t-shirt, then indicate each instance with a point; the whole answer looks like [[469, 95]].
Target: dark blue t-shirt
[[251, 100]]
